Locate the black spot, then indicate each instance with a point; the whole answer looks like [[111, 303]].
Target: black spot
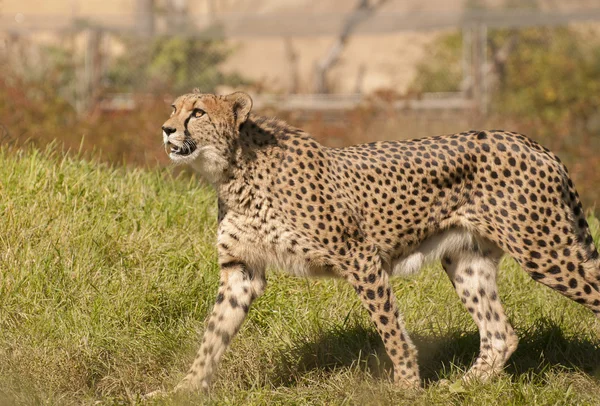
[[554, 269], [537, 276], [232, 264], [531, 265]]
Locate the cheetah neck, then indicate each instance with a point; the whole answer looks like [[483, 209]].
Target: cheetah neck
[[255, 152]]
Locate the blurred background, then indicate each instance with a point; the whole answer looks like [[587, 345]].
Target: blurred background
[[100, 74]]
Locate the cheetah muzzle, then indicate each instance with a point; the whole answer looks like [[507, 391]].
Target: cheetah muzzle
[[368, 212]]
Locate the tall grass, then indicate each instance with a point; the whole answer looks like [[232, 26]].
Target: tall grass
[[106, 277]]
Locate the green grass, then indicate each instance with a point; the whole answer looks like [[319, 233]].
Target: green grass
[[107, 276]]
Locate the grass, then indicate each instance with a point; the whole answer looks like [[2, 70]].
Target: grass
[[107, 276]]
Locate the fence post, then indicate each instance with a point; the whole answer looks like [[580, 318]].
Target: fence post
[[90, 72], [483, 68], [478, 61], [94, 66], [144, 14]]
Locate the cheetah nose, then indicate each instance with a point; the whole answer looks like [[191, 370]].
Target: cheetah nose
[[168, 130]]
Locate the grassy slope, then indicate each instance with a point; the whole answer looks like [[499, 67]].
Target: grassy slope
[[107, 275]]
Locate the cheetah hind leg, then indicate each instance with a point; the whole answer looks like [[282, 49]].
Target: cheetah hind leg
[[473, 275]]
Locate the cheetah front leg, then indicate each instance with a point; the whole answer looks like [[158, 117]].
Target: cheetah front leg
[[365, 272], [238, 288], [474, 278]]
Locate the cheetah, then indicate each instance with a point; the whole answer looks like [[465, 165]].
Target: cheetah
[[369, 212]]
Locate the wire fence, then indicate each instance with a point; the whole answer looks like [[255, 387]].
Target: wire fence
[[108, 56], [310, 62]]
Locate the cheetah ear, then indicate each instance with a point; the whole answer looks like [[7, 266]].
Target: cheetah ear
[[241, 104]]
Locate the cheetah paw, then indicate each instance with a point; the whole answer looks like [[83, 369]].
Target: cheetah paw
[[157, 394]]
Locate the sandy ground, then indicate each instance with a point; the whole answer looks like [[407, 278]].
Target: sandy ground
[[367, 63]]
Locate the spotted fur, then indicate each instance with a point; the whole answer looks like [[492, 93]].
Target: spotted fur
[[367, 212]]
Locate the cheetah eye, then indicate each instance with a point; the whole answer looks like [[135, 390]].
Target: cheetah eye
[[199, 113]]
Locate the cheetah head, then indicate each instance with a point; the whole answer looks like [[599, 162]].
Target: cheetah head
[[202, 129]]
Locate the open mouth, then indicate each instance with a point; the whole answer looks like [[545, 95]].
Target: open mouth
[[187, 148]]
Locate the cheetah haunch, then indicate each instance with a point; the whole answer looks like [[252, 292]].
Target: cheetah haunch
[[369, 212]]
